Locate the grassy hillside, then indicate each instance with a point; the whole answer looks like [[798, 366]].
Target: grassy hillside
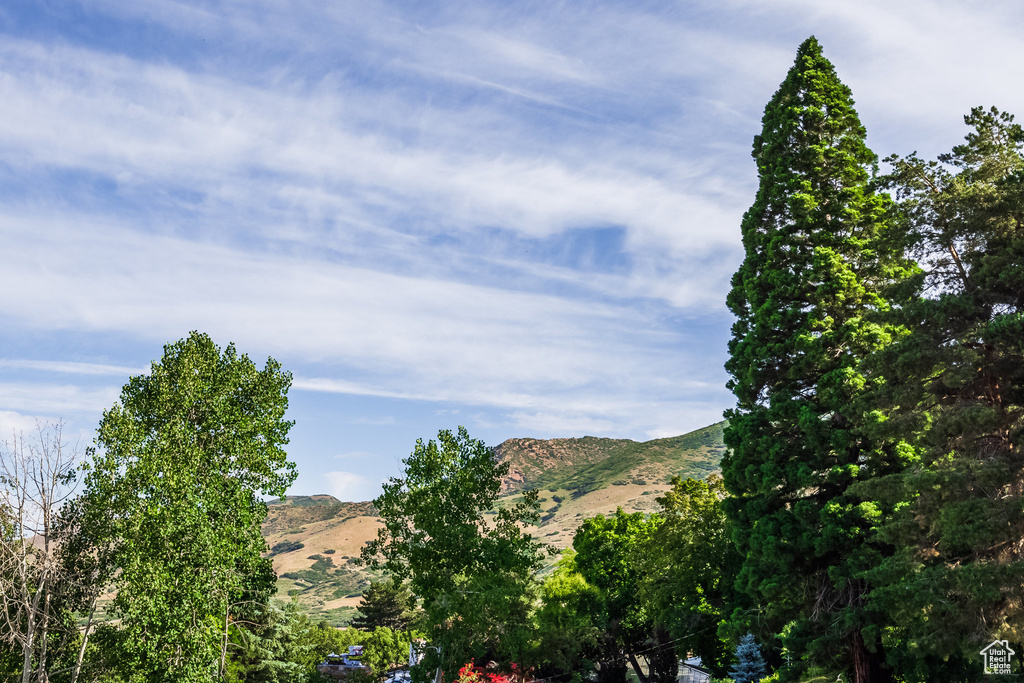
[[315, 540], [588, 464]]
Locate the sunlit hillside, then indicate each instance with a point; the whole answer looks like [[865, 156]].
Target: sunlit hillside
[[315, 540]]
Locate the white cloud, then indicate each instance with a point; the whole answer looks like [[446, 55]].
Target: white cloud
[[71, 368], [353, 455], [348, 486], [13, 423], [366, 190], [248, 150], [28, 429], [56, 399], [433, 338]]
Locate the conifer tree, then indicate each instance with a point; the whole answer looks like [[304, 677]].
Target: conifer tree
[[804, 298], [749, 662], [386, 603], [955, 398]]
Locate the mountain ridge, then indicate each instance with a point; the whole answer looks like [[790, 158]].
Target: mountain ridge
[[315, 541]]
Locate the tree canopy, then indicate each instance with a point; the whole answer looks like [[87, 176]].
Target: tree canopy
[[388, 604], [608, 556], [174, 493], [954, 402], [474, 571], [689, 568]]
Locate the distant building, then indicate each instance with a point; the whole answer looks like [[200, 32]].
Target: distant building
[[339, 667], [691, 671]]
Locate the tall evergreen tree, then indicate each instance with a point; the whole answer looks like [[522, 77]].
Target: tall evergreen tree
[[955, 397], [804, 298]]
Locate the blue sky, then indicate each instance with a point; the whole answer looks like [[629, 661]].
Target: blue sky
[[521, 217]]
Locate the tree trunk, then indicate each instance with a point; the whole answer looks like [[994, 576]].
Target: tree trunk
[[644, 678], [612, 670], [224, 640], [664, 663], [868, 667], [31, 611], [85, 641]]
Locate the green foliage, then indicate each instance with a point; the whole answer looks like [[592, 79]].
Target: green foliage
[[954, 404], [567, 621], [474, 573], [173, 499], [688, 569], [609, 553], [276, 647], [286, 547], [284, 646], [807, 299], [388, 604]]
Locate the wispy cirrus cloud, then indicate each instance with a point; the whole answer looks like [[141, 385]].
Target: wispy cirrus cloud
[[527, 214], [53, 401], [71, 368], [385, 328]]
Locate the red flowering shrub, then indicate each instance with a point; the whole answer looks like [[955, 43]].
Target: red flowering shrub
[[479, 674]]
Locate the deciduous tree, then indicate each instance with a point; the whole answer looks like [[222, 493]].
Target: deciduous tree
[[37, 590], [689, 567], [174, 496], [608, 555], [567, 621], [475, 572]]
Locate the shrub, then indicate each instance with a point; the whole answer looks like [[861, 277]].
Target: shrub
[[286, 547]]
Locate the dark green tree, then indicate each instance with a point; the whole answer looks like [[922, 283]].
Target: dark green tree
[[474, 572], [173, 496], [274, 646], [954, 401], [386, 603], [283, 645], [805, 299], [688, 569]]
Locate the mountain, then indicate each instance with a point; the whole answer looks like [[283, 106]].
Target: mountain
[[315, 541], [590, 463]]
